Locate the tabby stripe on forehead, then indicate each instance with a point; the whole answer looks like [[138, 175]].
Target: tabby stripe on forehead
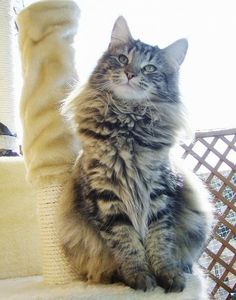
[[131, 47], [146, 51], [152, 54], [115, 220], [105, 195]]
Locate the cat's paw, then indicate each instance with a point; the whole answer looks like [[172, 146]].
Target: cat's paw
[[171, 280], [142, 281]]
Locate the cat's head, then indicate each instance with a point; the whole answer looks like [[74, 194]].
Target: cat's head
[[135, 71]]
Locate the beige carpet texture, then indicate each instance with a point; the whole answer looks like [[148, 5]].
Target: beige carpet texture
[[32, 288], [19, 232]]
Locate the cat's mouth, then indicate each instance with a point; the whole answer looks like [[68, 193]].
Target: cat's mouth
[[131, 86], [130, 83], [129, 91]]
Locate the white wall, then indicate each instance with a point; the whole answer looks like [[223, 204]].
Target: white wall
[[207, 76]]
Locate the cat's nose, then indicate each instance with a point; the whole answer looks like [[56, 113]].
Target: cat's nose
[[129, 75]]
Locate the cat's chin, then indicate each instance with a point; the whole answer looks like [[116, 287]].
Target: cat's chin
[[127, 92]]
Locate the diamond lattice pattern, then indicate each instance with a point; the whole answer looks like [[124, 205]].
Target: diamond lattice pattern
[[212, 156]]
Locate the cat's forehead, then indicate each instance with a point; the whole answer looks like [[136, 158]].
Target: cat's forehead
[[138, 49], [145, 48]]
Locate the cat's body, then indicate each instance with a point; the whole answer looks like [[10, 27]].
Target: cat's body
[[128, 211]]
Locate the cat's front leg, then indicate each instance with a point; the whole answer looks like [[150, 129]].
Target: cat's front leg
[[162, 251], [128, 250]]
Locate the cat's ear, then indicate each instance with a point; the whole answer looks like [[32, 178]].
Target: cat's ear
[[120, 33], [177, 51]]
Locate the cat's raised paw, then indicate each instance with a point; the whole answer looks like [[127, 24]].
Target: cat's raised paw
[[171, 280]]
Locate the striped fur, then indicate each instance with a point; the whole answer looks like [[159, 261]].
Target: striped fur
[[129, 213]]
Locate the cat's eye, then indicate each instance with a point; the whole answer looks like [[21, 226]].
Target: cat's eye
[[123, 59], [149, 69]]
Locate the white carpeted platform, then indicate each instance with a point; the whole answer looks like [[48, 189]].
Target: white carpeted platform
[[32, 288]]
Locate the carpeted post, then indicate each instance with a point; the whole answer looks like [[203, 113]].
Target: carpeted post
[[46, 32]]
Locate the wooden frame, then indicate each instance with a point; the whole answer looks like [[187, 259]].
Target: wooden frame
[[222, 145]]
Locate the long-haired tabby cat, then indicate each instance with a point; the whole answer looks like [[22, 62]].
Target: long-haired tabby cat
[[128, 212]]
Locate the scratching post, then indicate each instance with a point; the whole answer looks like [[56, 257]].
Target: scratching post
[[46, 31], [56, 269]]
